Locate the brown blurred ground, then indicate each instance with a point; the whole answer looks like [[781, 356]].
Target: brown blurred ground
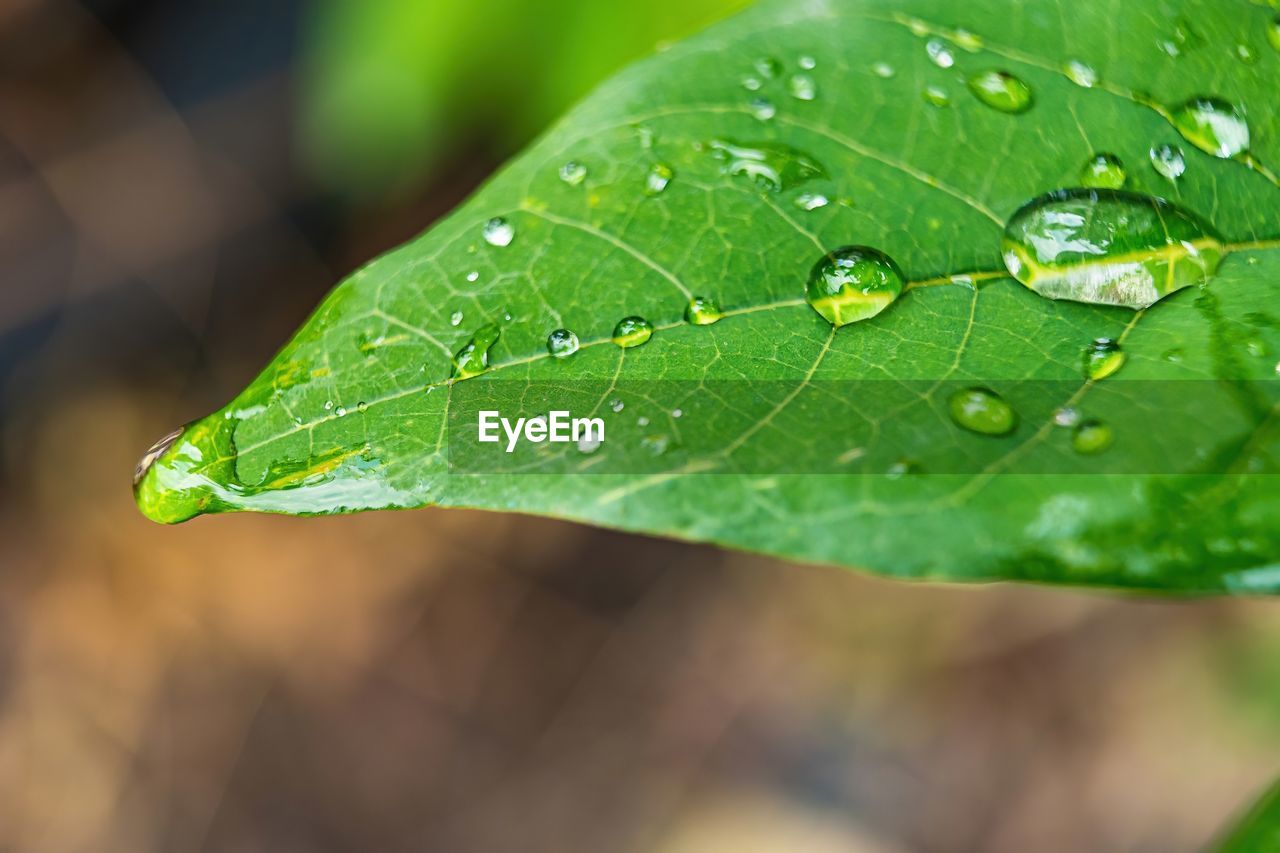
[[461, 681]]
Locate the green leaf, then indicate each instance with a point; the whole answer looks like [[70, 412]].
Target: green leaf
[[1259, 830], [884, 444]]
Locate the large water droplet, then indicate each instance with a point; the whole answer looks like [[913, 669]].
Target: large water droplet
[[983, 411], [774, 167], [1081, 74], [1091, 437], [499, 232], [940, 53], [632, 332], [656, 180], [853, 283], [1103, 171], [473, 359], [703, 311], [1001, 90], [1168, 161], [802, 87], [562, 343], [1213, 125], [573, 173], [1103, 358], [1108, 247]]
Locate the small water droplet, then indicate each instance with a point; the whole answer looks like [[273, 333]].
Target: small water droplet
[[1168, 161], [767, 66], [1108, 247], [1091, 437], [939, 53], [802, 87], [1174, 356], [646, 136], [341, 411], [772, 166], [655, 445], [1067, 416], [562, 343], [659, 175], [811, 201], [808, 63], [677, 413], [936, 96], [499, 232], [632, 332], [1001, 90], [473, 359], [617, 405], [1214, 126], [1081, 74], [882, 69], [1103, 358], [362, 407], [762, 108], [983, 411], [642, 421], [1273, 32], [455, 319], [473, 276], [1103, 171], [1278, 368], [1246, 54], [853, 283], [702, 311], [589, 441], [751, 84], [1256, 347], [902, 468], [573, 173]]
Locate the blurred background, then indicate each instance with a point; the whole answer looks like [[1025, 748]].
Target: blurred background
[[180, 183]]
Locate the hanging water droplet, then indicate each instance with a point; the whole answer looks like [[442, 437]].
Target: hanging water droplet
[[853, 283], [702, 311], [1091, 437], [499, 232], [802, 87], [659, 175], [573, 173], [882, 69], [562, 343], [811, 201], [632, 332], [936, 96], [1103, 358], [455, 319], [772, 166], [808, 63], [1081, 74], [473, 359], [939, 53], [1213, 125], [1103, 171], [1001, 90], [768, 67], [983, 411], [762, 108], [1108, 247], [1067, 416], [1168, 161]]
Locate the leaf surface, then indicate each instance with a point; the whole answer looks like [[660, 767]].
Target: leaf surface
[[770, 430]]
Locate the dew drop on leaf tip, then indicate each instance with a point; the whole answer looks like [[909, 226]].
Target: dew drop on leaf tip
[[982, 411], [853, 283]]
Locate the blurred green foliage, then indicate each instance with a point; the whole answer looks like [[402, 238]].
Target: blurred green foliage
[[391, 86]]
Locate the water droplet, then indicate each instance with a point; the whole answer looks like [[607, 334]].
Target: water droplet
[[677, 413], [769, 67], [1273, 32], [1001, 90], [969, 41], [659, 175], [983, 411], [1103, 171], [1174, 356], [646, 136], [936, 96], [573, 173], [940, 53], [1168, 161], [1185, 35], [1091, 437], [473, 276], [773, 167], [1081, 74], [882, 69], [562, 343], [1213, 125], [473, 359], [632, 332], [362, 407], [642, 421], [1067, 416], [811, 201], [341, 411], [589, 441], [802, 87], [455, 319], [1108, 247], [762, 108], [655, 445], [1246, 54], [703, 311], [328, 405], [617, 405], [853, 283], [1256, 347], [1103, 358], [902, 468], [808, 63], [1278, 368], [751, 84], [499, 232]]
